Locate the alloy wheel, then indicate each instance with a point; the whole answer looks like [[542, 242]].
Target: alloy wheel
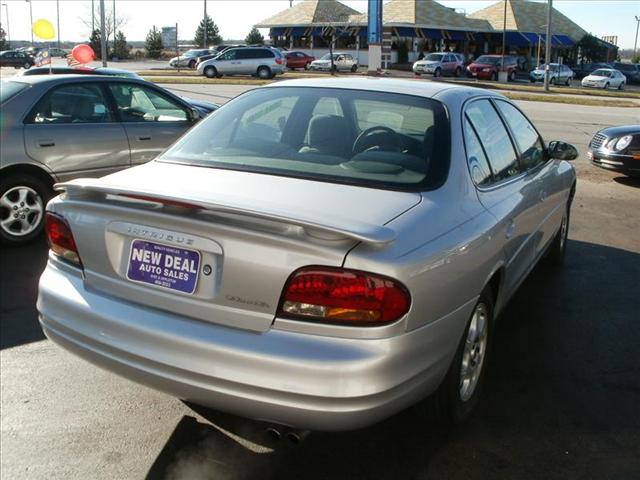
[[475, 347], [21, 211]]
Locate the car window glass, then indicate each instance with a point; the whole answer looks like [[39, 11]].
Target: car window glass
[[228, 55], [244, 54], [494, 138], [138, 103], [328, 106], [410, 120], [528, 140], [72, 104], [478, 164]]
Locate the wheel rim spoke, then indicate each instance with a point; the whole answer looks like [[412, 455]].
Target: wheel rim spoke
[[473, 352]]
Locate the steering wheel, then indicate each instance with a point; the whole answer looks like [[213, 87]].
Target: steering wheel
[[384, 138]]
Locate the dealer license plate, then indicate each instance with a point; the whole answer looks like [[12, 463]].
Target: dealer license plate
[[164, 266]]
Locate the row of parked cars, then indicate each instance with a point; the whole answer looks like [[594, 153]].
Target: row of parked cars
[[26, 57], [487, 67]]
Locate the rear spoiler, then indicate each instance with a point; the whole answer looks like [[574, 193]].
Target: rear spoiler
[[85, 188]]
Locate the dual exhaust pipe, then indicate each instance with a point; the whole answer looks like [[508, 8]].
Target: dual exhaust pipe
[[294, 435]]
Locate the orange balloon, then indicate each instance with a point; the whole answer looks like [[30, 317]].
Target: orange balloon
[[83, 53]]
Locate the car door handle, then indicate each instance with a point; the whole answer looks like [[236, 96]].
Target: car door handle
[[46, 143], [144, 137], [511, 227]]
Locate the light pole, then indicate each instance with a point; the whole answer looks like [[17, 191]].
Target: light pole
[[635, 44], [205, 25], [58, 20], [547, 50], [103, 36], [6, 9], [114, 27], [31, 18], [93, 18]]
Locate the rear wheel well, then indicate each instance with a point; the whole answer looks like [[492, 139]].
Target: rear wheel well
[[30, 170], [494, 282]]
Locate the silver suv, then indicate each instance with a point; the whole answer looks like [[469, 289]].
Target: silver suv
[[263, 62], [440, 63]]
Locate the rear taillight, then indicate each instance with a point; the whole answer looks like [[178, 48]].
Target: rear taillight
[[60, 238], [342, 296], [279, 61]]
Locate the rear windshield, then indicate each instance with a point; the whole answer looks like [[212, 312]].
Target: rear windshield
[[9, 89], [378, 139]]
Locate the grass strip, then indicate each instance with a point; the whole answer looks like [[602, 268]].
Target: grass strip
[[207, 81], [592, 102]]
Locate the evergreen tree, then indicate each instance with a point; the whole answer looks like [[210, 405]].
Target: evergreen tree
[[153, 44], [592, 49], [254, 37], [4, 45], [213, 35], [121, 48], [95, 43]]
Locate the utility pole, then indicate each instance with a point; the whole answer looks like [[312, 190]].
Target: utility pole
[[114, 27], [547, 50], [103, 36], [31, 18], [6, 9], [504, 36], [93, 18], [205, 25], [58, 20], [635, 44]]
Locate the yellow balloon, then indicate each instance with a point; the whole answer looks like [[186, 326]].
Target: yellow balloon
[[43, 29]]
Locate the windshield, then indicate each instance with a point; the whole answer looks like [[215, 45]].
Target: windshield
[[378, 139], [602, 73], [328, 56], [487, 60], [434, 57], [9, 89], [194, 53]]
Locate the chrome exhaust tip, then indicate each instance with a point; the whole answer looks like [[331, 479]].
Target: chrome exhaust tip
[[297, 436], [274, 432]]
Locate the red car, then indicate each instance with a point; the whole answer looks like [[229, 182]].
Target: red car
[[298, 60], [486, 67]]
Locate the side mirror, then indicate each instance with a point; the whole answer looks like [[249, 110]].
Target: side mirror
[[562, 150], [194, 115]]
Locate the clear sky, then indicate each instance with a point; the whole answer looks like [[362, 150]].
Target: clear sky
[[235, 17]]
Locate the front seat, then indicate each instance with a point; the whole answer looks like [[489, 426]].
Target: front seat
[[328, 135]]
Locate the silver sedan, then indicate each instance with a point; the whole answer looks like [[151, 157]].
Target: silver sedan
[[316, 253]]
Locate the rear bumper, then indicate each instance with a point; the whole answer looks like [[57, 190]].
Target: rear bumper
[[302, 380]]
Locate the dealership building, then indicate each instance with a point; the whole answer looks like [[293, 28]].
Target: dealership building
[[425, 26]]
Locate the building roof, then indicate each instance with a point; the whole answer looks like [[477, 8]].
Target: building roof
[[310, 12], [425, 13], [525, 16]]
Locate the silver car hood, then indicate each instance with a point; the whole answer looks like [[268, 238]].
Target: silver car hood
[[335, 209]]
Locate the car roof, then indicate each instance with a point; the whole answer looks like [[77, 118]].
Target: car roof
[[67, 78], [387, 85]]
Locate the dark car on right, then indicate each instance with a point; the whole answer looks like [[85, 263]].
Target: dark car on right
[[17, 59], [617, 148], [629, 70], [583, 69]]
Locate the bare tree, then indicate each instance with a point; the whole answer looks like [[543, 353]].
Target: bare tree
[[121, 21]]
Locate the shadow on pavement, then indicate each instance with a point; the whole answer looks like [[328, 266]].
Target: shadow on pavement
[[20, 269], [560, 400], [628, 181]]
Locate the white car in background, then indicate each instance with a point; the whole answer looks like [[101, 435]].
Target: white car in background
[[341, 62], [605, 78]]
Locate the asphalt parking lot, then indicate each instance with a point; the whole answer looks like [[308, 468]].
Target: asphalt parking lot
[[561, 399]]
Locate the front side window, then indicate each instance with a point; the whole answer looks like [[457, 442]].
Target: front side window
[[80, 103], [138, 103], [494, 138], [377, 139], [532, 152]]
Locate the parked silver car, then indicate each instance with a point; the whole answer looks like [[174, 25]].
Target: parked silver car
[[189, 58], [262, 62], [440, 63], [58, 127], [319, 253], [559, 74], [341, 62]]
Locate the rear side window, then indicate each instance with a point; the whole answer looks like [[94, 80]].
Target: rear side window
[[476, 158], [494, 139], [377, 139], [80, 103], [10, 89], [529, 142]]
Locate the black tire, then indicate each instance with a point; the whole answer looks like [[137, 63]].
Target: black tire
[[9, 186], [512, 76], [494, 76], [210, 72], [192, 64], [26, 65], [558, 248], [354, 68], [532, 80], [552, 81], [621, 86], [264, 73], [437, 73], [606, 86], [568, 82], [458, 72], [306, 66], [449, 401]]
